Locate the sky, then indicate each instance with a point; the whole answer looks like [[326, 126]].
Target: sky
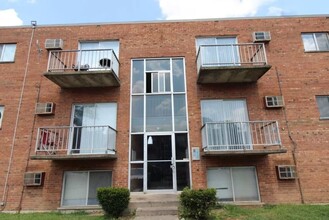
[[49, 12]]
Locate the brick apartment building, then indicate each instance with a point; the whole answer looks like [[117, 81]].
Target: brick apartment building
[[235, 104]]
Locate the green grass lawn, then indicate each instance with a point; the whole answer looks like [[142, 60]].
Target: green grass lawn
[[227, 212], [272, 212]]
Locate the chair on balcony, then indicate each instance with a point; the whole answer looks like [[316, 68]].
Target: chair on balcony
[[105, 62], [78, 67]]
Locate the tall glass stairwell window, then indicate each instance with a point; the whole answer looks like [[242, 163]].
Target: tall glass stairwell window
[[227, 126], [93, 128], [98, 55], [218, 51], [159, 157]]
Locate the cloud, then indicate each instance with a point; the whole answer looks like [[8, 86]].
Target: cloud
[[9, 17], [193, 9], [275, 11]]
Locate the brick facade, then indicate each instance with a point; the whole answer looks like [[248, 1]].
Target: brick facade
[[300, 75]]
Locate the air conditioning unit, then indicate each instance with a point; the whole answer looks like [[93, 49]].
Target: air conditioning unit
[[274, 101], [45, 108], [54, 44], [261, 36], [286, 172], [34, 178]]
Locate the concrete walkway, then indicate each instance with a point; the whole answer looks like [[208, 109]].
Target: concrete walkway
[[160, 217]]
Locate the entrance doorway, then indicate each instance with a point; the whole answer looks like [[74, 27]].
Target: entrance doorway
[[160, 162]]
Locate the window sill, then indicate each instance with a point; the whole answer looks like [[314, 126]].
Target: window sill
[[2, 62], [324, 118], [316, 51]]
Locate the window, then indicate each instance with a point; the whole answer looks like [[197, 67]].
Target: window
[[7, 52], [80, 187], [226, 124], [2, 108], [323, 105], [220, 51], [94, 128], [315, 41], [234, 184], [286, 172]]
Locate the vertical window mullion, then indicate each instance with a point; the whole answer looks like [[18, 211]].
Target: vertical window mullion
[[315, 42]]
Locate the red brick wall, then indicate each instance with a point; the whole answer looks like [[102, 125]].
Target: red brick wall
[[302, 76]]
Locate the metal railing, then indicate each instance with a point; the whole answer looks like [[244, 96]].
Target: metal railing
[[230, 136], [76, 140], [83, 60], [246, 54]]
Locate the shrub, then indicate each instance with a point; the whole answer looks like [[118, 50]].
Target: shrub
[[197, 204], [113, 200]]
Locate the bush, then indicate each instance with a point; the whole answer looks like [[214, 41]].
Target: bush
[[197, 204], [113, 200]]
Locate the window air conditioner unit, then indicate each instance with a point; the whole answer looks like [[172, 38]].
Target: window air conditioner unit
[[286, 172], [54, 44], [261, 36], [34, 178], [46, 108], [274, 101]]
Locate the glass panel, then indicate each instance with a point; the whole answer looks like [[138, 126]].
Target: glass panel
[[220, 179], [181, 146], [137, 114], [1, 114], [157, 64], [309, 43], [159, 147], [227, 55], [159, 175], [167, 82], [323, 104], [138, 76], [137, 147], [323, 41], [178, 75], [158, 113], [96, 180], [180, 113], [9, 52], [155, 82], [208, 51], [136, 177], [75, 188], [183, 175], [114, 45], [245, 184]]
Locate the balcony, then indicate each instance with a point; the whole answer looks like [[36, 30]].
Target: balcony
[[73, 143], [241, 138], [83, 68], [231, 63]]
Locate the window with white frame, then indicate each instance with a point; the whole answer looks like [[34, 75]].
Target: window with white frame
[[323, 105], [234, 184], [2, 108], [80, 187], [315, 41], [7, 52]]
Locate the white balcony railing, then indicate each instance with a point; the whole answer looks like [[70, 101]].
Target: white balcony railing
[[83, 60], [235, 136], [246, 54], [76, 140]]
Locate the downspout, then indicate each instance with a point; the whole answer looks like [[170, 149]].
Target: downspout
[[5, 190], [294, 144]]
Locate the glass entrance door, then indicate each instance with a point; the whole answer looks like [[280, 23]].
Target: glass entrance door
[[160, 163]]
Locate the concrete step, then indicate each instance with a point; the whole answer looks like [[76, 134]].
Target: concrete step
[[162, 217], [157, 211], [147, 205]]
